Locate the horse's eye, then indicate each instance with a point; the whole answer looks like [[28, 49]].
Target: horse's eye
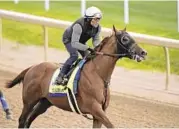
[[125, 40]]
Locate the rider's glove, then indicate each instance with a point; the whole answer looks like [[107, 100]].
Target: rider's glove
[[91, 51]]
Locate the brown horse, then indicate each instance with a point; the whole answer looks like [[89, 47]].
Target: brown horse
[[93, 92]]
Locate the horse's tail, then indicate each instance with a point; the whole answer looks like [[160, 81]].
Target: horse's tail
[[18, 79]]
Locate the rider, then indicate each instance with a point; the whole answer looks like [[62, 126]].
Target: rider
[[76, 36], [5, 106]]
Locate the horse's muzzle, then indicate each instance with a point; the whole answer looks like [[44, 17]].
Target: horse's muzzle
[[140, 57]]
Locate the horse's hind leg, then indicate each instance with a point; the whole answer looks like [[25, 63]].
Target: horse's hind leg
[[100, 116], [25, 111], [38, 109]]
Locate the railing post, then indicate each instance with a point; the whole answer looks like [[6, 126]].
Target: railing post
[[167, 59], [45, 36], [0, 33]]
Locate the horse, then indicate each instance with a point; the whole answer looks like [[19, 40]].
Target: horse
[[93, 94]]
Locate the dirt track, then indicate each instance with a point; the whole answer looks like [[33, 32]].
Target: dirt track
[[123, 112]]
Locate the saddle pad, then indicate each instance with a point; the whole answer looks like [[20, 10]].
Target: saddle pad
[[56, 90]]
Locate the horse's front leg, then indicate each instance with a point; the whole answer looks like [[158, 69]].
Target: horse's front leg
[[100, 116], [96, 123]]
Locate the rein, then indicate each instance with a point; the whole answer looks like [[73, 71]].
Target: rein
[[117, 55], [111, 55]]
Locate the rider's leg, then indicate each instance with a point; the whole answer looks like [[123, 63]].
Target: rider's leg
[[73, 57], [5, 106]]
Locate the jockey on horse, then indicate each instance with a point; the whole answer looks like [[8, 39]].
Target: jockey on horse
[[5, 106], [76, 36]]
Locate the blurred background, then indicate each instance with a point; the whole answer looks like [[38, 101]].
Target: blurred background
[[158, 18]]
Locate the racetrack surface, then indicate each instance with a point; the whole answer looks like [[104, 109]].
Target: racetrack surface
[[123, 111]]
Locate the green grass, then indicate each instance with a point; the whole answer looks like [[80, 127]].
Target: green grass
[[150, 17]]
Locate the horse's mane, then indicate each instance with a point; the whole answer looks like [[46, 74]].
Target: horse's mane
[[103, 42], [99, 47]]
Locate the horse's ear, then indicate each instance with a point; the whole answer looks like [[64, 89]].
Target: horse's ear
[[125, 28], [114, 30]]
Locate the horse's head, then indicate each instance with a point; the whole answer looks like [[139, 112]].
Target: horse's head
[[126, 45]]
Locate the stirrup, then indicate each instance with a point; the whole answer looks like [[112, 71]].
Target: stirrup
[[59, 82], [63, 82]]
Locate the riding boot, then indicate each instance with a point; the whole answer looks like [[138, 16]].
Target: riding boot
[[60, 78], [62, 73]]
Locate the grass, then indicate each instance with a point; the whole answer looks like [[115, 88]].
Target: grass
[[157, 18]]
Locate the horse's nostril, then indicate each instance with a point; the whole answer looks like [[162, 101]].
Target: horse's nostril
[[144, 53]]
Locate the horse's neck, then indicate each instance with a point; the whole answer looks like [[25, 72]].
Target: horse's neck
[[105, 64]]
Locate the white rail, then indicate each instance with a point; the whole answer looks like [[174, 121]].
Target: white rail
[[43, 21]]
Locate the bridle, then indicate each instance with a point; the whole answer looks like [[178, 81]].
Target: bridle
[[119, 42]]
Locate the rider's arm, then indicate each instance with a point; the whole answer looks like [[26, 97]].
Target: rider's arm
[[96, 39], [77, 30]]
